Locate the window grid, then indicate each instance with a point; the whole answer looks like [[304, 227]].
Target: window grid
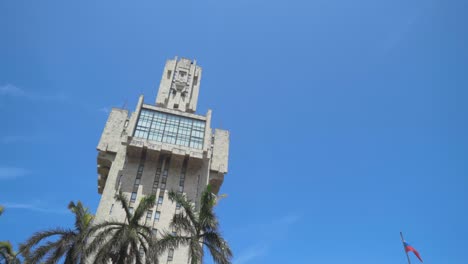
[[182, 176], [164, 179], [157, 215], [149, 214], [161, 198], [156, 181], [137, 182], [141, 252], [170, 129]]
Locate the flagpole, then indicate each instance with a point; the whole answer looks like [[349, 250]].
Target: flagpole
[[404, 248]]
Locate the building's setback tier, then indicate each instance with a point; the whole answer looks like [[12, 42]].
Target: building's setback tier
[[174, 112], [170, 131], [170, 128], [136, 144], [162, 130], [158, 128]]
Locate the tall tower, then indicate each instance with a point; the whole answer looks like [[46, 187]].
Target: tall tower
[[159, 148]]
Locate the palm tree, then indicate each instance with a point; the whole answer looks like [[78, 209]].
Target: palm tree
[[123, 242], [7, 255], [197, 230], [71, 242]]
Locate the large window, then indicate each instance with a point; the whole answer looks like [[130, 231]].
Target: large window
[[170, 129]]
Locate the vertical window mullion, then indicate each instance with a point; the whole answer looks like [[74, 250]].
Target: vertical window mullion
[[164, 128], [150, 124], [177, 131]]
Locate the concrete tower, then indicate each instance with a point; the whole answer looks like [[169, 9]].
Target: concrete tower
[[159, 148]]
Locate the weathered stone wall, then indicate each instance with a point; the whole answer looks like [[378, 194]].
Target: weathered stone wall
[[120, 156]]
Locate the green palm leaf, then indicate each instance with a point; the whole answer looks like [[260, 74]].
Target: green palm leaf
[[198, 228], [7, 255], [67, 243], [120, 242]]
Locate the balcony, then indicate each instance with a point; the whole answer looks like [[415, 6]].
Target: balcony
[[135, 145]]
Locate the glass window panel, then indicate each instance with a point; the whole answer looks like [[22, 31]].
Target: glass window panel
[[157, 215], [172, 129], [133, 197]]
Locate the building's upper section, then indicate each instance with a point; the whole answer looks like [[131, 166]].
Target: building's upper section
[[180, 84], [169, 127]]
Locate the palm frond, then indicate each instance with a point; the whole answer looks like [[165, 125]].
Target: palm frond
[[62, 246], [146, 234], [186, 204], [7, 253], [149, 248], [195, 251], [82, 216], [135, 253], [111, 246], [5, 257], [40, 253], [218, 256], [71, 257], [5, 246], [120, 241], [98, 239], [208, 219], [38, 236], [145, 204], [218, 246], [69, 244], [120, 197], [170, 241], [180, 222]]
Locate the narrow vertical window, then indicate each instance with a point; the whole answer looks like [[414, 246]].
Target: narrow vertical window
[[161, 198], [111, 208], [155, 232], [133, 197], [130, 210], [170, 255], [136, 184], [157, 215], [149, 214]]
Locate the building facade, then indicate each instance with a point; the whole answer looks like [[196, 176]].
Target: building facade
[[161, 147]]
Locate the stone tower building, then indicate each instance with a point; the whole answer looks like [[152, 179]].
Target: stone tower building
[[161, 147]]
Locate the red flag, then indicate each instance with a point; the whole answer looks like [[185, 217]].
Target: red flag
[[409, 248]]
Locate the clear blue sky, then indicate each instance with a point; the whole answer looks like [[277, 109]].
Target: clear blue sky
[[348, 119]]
